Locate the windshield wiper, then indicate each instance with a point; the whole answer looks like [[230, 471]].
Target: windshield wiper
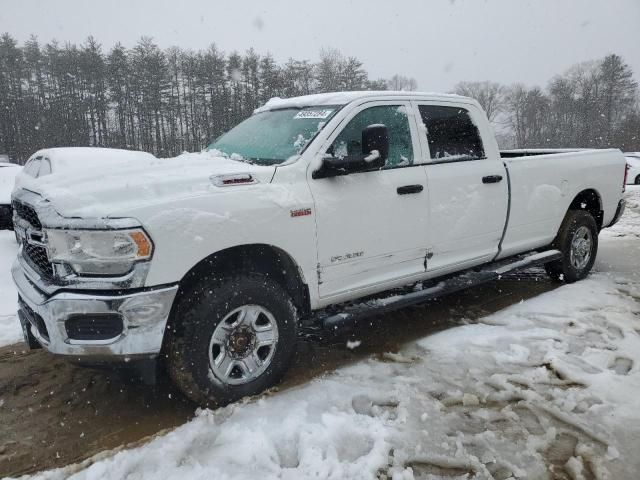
[[265, 162], [244, 160]]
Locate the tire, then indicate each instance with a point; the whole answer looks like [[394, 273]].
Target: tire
[[197, 361], [577, 239], [637, 180]]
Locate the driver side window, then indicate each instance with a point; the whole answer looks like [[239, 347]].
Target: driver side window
[[394, 117]]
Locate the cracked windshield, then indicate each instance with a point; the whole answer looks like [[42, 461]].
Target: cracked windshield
[[357, 240]]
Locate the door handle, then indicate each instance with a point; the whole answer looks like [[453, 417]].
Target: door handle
[[492, 179], [407, 189]]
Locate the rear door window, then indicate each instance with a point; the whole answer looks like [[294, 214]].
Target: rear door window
[[451, 134]]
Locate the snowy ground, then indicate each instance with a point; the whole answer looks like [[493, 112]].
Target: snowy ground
[[10, 331], [548, 388]]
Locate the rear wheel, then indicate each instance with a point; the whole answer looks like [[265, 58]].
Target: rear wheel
[[578, 242], [637, 181], [234, 340]]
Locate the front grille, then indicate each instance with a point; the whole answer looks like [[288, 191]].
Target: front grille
[[27, 213], [35, 255], [37, 258], [34, 319]]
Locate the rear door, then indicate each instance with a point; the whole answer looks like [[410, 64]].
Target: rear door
[[372, 226], [468, 186]]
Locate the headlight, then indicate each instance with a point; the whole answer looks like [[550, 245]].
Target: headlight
[[99, 252]]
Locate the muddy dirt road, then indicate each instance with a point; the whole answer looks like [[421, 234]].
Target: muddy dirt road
[[53, 413]]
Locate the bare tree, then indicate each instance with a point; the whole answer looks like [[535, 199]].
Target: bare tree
[[527, 115], [402, 83], [593, 104], [490, 95]]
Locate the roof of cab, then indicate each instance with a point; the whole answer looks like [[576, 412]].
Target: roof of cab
[[343, 98]]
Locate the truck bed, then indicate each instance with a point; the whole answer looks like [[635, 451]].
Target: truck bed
[[543, 183]]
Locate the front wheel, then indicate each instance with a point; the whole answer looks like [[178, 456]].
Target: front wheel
[[235, 339], [637, 181], [578, 242]]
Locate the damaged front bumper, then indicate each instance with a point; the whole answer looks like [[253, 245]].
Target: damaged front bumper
[[95, 326]]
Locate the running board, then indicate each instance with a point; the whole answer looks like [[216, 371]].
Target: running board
[[336, 316]]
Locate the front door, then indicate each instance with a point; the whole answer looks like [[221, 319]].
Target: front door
[[372, 226]]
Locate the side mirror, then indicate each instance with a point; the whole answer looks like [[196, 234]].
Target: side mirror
[[375, 151], [376, 137]]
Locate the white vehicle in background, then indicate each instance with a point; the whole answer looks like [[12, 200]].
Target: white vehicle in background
[[312, 212], [8, 173], [76, 160], [633, 163]]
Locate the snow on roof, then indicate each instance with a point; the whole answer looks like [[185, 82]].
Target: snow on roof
[[342, 98]]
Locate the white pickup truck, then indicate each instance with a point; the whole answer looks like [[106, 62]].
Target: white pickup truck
[[313, 211]]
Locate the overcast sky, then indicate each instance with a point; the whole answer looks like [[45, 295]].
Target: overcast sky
[[438, 42]]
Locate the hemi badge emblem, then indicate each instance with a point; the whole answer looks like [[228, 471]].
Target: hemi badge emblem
[[301, 212]]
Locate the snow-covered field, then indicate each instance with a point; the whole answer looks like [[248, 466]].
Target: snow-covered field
[[10, 331], [548, 388]]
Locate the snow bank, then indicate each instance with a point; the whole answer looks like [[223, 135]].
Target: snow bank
[[10, 331], [290, 436]]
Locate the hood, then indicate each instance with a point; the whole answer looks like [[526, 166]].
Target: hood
[[112, 189]]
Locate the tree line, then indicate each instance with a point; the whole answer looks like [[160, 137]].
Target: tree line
[[592, 105], [174, 100], [145, 98]]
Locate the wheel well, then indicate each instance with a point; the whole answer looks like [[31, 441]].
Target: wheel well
[[590, 201], [266, 259]]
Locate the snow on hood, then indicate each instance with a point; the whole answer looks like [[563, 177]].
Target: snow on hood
[[116, 186]]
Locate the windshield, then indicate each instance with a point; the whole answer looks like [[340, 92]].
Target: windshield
[[271, 137]]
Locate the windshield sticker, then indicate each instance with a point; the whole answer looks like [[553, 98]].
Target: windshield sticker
[[320, 114]]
